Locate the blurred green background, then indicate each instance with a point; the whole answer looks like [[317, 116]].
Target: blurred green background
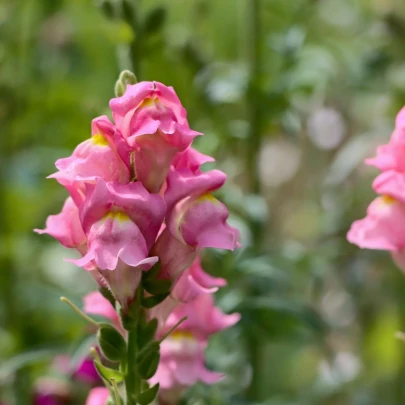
[[292, 95]]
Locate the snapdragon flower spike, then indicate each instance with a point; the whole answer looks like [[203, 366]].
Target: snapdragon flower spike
[[98, 396], [182, 353], [66, 227], [121, 223], [392, 155], [94, 158], [152, 120]]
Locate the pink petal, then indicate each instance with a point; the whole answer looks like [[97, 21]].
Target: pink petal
[[382, 227], [66, 226]]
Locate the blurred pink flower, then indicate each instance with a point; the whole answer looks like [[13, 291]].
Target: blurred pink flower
[[182, 354]]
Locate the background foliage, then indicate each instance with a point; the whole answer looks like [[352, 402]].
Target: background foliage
[[292, 95]]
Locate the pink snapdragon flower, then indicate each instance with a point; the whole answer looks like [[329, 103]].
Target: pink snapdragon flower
[[98, 396], [121, 223], [182, 353], [195, 220], [94, 158], [152, 120]]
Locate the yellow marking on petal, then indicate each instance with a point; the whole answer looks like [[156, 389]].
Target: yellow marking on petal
[[207, 197], [388, 200], [121, 216], [148, 102], [117, 215], [100, 140], [181, 334]]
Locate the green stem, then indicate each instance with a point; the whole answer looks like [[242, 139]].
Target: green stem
[[253, 104], [133, 382], [255, 343]]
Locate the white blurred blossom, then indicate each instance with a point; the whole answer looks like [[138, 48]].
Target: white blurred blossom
[[279, 161], [326, 128], [344, 368]]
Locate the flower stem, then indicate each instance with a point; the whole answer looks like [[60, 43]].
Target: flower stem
[[132, 379], [253, 25]]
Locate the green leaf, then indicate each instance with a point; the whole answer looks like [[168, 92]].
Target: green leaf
[[154, 300], [147, 332], [109, 373], [157, 287], [148, 363], [111, 342], [147, 397], [153, 346]]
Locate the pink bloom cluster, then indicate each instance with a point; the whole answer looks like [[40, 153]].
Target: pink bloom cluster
[[138, 196], [384, 226]]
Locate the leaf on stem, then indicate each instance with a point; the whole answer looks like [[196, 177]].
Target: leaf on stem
[[108, 373], [111, 342], [147, 397]]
